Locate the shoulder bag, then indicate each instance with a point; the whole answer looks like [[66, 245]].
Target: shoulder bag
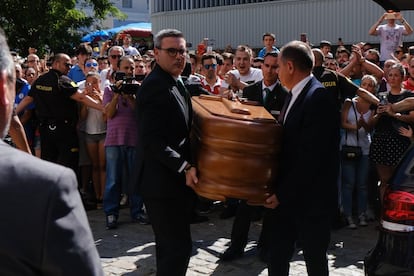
[[351, 152]]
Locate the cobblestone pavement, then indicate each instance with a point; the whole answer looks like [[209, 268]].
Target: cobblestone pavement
[[129, 250]]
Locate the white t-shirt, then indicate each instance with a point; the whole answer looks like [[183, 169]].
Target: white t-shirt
[[390, 38], [253, 76], [131, 51]]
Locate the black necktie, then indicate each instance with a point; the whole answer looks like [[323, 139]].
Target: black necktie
[[185, 98], [182, 88], [284, 108], [266, 94]]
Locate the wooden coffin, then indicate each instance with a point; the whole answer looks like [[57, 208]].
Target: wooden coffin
[[236, 149]]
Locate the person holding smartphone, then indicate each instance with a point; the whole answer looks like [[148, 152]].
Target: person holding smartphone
[[390, 34]]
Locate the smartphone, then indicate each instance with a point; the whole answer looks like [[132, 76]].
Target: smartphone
[[390, 15], [383, 97], [411, 52]]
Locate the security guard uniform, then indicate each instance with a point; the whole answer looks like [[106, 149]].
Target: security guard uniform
[[58, 116], [338, 85]]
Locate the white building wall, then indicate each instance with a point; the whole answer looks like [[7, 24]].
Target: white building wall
[[138, 13], [245, 24]]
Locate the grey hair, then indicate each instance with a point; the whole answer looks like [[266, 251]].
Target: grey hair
[[166, 33], [372, 79], [6, 59]]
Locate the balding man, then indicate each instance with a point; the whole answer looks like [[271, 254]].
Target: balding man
[[305, 193], [55, 97]]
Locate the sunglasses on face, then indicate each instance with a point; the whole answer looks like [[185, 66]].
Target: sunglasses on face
[[90, 64], [68, 65], [115, 56], [207, 66]]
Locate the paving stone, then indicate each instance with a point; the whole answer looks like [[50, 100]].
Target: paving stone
[[130, 249]]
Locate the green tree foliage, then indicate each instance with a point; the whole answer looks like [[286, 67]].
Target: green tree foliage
[[55, 23]]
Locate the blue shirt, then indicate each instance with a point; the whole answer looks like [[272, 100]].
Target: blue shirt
[[263, 52], [76, 74]]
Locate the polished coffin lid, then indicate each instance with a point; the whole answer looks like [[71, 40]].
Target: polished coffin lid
[[236, 149]]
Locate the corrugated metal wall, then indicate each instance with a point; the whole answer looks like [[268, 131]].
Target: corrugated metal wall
[[245, 24]]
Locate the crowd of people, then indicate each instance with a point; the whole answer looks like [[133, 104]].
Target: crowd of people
[[122, 122]]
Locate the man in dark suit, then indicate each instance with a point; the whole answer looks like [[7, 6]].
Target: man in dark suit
[[44, 228], [305, 191], [165, 176], [270, 94]]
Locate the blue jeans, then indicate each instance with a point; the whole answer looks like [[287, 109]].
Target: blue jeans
[[119, 164], [354, 175]]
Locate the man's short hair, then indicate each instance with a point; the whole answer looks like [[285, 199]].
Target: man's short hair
[[342, 49], [219, 58], [299, 53], [325, 43], [84, 49], [208, 56], [246, 49], [228, 56], [6, 59], [269, 34], [271, 53], [166, 33]]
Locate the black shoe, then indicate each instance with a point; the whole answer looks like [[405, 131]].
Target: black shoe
[[198, 219], [89, 205], [231, 254], [111, 222], [141, 219]]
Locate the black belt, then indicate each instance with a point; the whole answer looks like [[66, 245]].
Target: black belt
[[53, 123]]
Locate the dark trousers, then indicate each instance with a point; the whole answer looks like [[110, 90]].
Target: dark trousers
[[241, 224], [170, 221], [312, 231], [60, 144]]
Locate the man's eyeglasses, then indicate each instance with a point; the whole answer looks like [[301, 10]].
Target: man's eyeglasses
[[115, 56], [33, 60], [30, 75], [90, 64], [68, 65], [207, 66], [398, 51], [172, 52]]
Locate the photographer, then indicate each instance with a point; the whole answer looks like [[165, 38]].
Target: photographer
[[390, 34], [120, 143]]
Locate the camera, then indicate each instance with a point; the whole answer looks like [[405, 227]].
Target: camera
[[126, 86]]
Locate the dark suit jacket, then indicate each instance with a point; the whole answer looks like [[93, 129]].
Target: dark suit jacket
[[274, 101], [163, 138], [44, 228], [309, 161]]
